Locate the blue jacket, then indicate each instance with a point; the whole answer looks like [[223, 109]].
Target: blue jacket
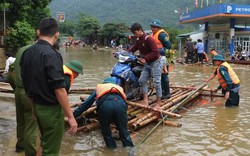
[[200, 47]]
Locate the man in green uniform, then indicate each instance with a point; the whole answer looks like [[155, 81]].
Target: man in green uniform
[[27, 129], [43, 81]]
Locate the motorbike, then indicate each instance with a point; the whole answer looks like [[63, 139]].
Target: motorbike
[[126, 73], [241, 55], [245, 55]]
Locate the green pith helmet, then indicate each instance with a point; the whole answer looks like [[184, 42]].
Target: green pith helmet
[[109, 80], [75, 66], [156, 23], [219, 57]]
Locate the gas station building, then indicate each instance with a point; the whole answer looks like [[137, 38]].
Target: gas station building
[[225, 26]]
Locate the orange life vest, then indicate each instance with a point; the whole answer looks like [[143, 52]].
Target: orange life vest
[[213, 53], [156, 37], [232, 74], [105, 88], [69, 72]]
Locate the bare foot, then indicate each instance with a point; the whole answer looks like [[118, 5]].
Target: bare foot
[[157, 106], [144, 102]]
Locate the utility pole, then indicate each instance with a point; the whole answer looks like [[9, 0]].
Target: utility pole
[[4, 19]]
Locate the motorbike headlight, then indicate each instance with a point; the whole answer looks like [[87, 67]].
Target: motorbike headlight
[[123, 59]]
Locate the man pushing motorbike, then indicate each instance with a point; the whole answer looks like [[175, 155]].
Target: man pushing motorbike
[[111, 107]]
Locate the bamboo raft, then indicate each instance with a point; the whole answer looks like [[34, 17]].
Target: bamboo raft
[[140, 115], [244, 62]]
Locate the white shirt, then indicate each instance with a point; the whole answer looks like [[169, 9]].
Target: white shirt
[[9, 61]]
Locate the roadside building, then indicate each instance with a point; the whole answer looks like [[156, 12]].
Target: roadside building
[[225, 27]]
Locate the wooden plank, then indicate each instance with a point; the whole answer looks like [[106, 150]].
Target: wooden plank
[[5, 87]]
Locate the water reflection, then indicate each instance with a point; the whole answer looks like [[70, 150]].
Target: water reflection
[[208, 129]]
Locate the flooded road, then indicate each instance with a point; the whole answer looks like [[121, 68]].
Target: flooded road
[[209, 129]]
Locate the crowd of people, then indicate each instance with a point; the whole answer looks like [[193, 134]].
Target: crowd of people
[[41, 85], [195, 53]]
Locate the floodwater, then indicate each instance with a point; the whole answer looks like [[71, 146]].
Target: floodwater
[[207, 129]]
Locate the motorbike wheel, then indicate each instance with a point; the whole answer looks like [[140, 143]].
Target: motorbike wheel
[[131, 92]]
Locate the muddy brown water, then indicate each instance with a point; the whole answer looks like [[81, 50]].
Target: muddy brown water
[[207, 129]]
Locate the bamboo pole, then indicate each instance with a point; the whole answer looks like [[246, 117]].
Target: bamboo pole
[[82, 89], [130, 122], [212, 94], [136, 112], [90, 110], [178, 91], [173, 91], [149, 115], [132, 109], [179, 105], [75, 104], [174, 97], [186, 100], [141, 119], [153, 109], [171, 123], [145, 122], [174, 101], [190, 87], [89, 127], [189, 100], [137, 117]]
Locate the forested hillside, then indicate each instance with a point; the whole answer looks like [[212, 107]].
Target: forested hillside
[[129, 11]]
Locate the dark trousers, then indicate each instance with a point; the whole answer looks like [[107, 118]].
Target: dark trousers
[[200, 57], [112, 108], [189, 57], [234, 98], [165, 84]]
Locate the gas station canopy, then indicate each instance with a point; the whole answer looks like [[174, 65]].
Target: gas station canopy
[[219, 14]]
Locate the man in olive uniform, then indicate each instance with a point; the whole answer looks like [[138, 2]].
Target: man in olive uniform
[[43, 81], [27, 129]]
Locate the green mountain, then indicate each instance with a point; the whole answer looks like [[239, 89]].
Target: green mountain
[[130, 11]]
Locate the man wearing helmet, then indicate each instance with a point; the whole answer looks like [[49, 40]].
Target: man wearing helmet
[[161, 38], [229, 81], [71, 71]]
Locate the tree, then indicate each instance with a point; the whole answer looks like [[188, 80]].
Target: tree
[[173, 32], [88, 27], [113, 31], [21, 34], [31, 11], [67, 28]]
